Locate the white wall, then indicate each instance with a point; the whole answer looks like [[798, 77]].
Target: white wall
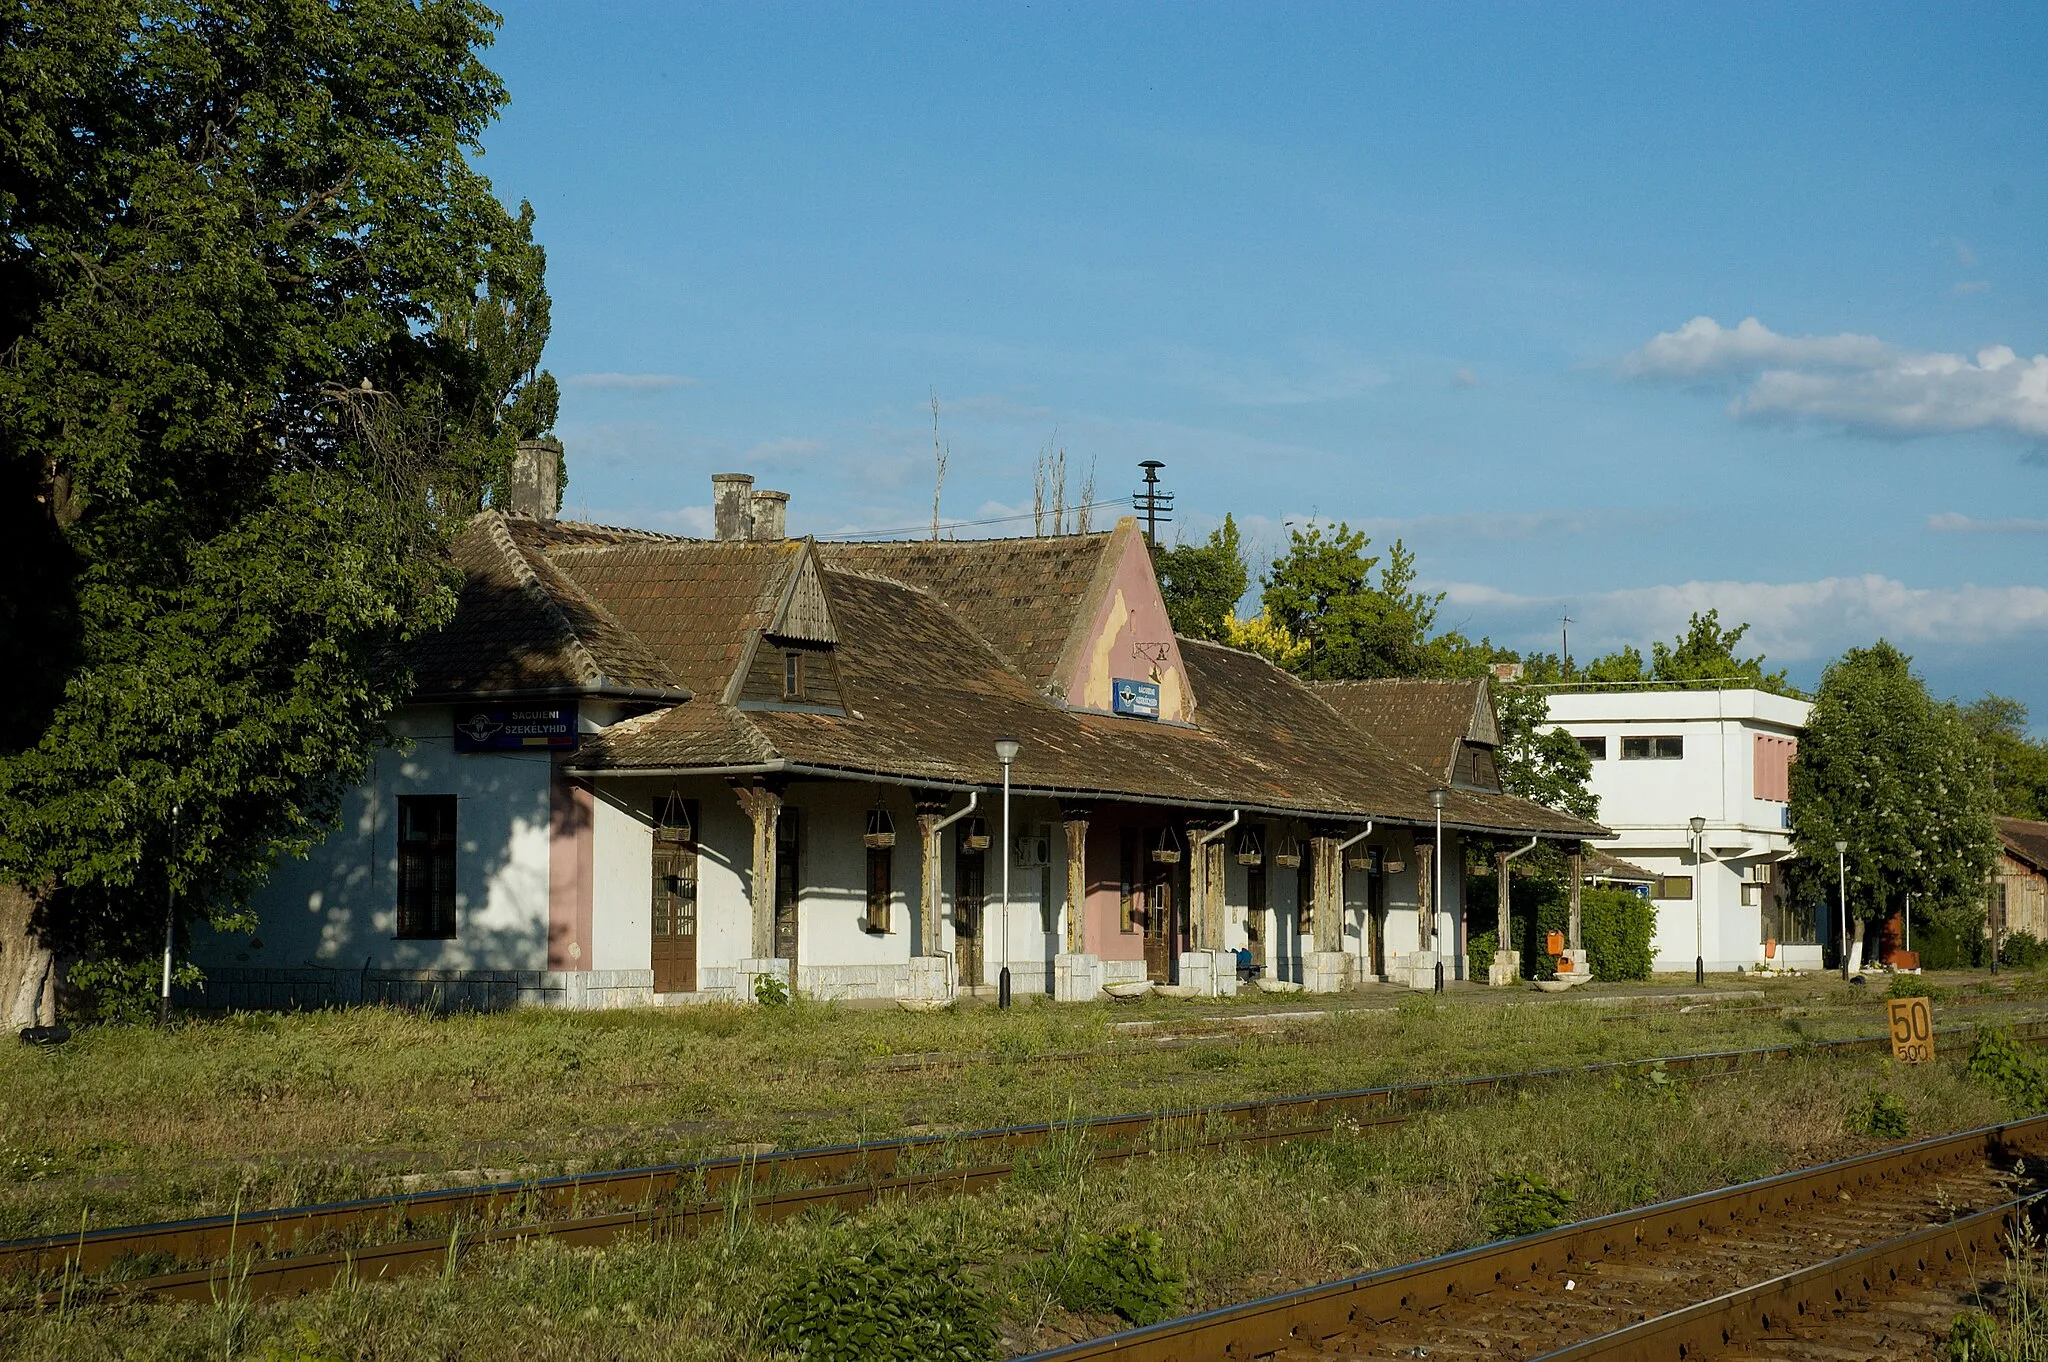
[[1649, 804], [338, 907]]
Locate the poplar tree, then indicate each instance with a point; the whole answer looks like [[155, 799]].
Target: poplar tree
[[265, 336]]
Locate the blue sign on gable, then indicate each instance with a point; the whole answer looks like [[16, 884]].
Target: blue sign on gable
[[1139, 699], [515, 728]]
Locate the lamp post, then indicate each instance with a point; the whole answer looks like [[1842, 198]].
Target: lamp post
[[1006, 752], [163, 1008], [1436, 803], [1842, 894], [1699, 953]]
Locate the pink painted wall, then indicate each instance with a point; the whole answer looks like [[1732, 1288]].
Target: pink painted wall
[[1125, 639], [571, 872], [1105, 891]]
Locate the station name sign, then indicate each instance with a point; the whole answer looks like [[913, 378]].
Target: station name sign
[[513, 728], [1139, 699]]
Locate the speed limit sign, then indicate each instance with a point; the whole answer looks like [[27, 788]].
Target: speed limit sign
[[1912, 1022]]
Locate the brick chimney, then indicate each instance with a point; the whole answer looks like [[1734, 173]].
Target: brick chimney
[[732, 508], [771, 511], [536, 484]]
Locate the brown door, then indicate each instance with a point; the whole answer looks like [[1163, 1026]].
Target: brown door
[[1255, 922], [675, 896], [1376, 916], [968, 894], [786, 884], [1162, 925]]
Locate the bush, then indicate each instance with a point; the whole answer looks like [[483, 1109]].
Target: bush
[[1615, 925], [1124, 1273], [1913, 986], [2008, 1070], [892, 1303], [1515, 1204], [1880, 1116], [770, 991], [1950, 938], [2022, 950]]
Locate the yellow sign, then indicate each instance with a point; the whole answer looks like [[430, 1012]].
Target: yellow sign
[[1912, 1022]]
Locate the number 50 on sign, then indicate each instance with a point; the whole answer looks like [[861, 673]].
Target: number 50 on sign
[[1912, 1029]]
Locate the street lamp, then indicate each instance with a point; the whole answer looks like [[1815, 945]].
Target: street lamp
[[1842, 893], [1699, 954], [1436, 802], [1006, 752]]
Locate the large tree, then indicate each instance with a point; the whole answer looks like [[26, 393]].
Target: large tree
[[1898, 776], [1706, 651], [1361, 617], [2018, 764], [264, 334], [1202, 583]]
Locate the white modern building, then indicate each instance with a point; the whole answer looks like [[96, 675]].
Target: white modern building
[[1663, 758]]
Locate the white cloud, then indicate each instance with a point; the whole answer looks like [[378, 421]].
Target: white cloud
[[1954, 522], [1789, 621], [1464, 378], [1857, 382], [631, 383]]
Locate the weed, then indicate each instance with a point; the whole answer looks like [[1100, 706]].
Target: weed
[[1880, 1116], [1913, 986], [1515, 1204], [770, 991], [888, 1303], [1124, 1273], [2007, 1070]]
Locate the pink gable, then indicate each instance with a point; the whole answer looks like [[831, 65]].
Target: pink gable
[[1126, 635]]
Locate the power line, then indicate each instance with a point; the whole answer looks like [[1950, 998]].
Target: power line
[[953, 525]]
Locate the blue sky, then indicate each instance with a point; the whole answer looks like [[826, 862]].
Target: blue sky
[[1480, 278]]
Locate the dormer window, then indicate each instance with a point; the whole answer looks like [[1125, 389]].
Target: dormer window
[[792, 674]]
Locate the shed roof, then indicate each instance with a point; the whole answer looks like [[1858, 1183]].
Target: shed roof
[[1422, 721], [2026, 839]]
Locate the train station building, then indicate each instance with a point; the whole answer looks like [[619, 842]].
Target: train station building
[[644, 769]]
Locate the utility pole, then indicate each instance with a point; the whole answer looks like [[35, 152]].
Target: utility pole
[[1153, 502], [1564, 631]]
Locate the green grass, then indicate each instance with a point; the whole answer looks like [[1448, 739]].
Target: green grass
[[1230, 1226], [127, 1124]]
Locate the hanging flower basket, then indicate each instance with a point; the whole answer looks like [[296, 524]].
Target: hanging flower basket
[[1288, 852], [974, 834], [1251, 848], [1168, 851], [881, 829], [1363, 858]]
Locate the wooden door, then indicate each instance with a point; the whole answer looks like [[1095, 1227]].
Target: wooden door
[[1162, 923], [969, 893], [1376, 917], [787, 884], [1255, 919], [675, 896]]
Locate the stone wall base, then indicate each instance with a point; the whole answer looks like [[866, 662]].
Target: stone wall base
[[1416, 969], [1076, 978], [1506, 970], [1327, 971]]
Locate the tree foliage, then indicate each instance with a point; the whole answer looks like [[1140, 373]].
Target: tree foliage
[[2018, 764], [264, 334], [1203, 582], [1361, 618], [1900, 778], [1705, 651]]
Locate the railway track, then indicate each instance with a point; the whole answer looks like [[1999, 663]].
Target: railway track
[[1866, 1257], [298, 1248]]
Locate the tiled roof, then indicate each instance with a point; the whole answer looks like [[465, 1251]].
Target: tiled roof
[[693, 603], [2026, 838], [1422, 721], [927, 696], [521, 627], [1601, 865], [1019, 594]]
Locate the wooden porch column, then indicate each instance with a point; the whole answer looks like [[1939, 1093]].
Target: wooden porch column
[[930, 809], [1074, 820], [1572, 930], [763, 804], [1500, 874], [1326, 882], [1425, 894]]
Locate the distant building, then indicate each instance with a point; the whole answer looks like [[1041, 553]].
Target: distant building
[[2019, 884], [1664, 757]]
